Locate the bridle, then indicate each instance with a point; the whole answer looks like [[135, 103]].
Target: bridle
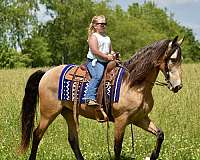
[[166, 74]]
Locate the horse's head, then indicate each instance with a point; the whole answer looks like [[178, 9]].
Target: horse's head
[[171, 65]]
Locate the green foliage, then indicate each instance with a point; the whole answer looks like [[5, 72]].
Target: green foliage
[[63, 39], [191, 47], [37, 49], [16, 18], [67, 33], [9, 58]]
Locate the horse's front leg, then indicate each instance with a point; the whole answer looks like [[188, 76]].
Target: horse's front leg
[[149, 126], [120, 125], [72, 133]]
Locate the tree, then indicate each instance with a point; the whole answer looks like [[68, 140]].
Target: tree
[[63, 39], [9, 58], [37, 49], [67, 33]]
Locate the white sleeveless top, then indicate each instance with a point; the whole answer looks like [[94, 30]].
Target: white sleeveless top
[[104, 43]]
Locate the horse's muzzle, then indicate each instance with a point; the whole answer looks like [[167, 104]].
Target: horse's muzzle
[[176, 88]]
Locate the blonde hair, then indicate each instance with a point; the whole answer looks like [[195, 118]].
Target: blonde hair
[[95, 19]]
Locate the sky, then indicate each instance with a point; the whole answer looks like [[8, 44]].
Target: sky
[[186, 12]]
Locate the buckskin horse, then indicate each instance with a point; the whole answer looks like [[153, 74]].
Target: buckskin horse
[[134, 105]]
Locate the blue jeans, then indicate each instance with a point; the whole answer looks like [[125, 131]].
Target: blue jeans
[[96, 73]]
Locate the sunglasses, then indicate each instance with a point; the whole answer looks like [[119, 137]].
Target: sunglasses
[[101, 24]]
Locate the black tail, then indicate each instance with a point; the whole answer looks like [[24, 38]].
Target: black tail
[[28, 108]]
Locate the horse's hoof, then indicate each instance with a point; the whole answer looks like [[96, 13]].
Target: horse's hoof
[[147, 158]]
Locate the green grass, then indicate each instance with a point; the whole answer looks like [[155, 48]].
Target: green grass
[[177, 114]]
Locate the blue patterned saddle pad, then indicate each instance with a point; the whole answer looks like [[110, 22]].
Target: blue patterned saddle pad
[[67, 87]]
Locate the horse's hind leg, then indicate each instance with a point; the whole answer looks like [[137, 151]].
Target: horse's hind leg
[[45, 120], [72, 133], [149, 126], [37, 136]]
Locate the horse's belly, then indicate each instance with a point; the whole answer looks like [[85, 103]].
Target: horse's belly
[[85, 111]]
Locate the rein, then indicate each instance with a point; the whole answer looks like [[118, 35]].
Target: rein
[[160, 83], [122, 66]]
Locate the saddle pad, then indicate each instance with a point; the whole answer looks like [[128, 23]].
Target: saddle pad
[[67, 87]]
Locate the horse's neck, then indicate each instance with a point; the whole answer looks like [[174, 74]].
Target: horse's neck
[[151, 77], [148, 83]]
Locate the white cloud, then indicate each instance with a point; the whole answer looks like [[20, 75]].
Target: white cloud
[[174, 2]]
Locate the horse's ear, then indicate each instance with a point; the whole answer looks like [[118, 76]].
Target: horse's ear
[[175, 39], [173, 42], [181, 41], [170, 46]]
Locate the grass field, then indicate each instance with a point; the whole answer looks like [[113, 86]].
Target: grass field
[[177, 114]]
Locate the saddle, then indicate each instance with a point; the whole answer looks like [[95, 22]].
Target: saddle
[[80, 75]]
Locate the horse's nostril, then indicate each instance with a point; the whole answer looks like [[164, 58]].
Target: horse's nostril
[[177, 88]]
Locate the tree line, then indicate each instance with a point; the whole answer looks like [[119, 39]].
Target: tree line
[[27, 42]]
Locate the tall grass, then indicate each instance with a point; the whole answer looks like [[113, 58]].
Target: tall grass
[[177, 114]]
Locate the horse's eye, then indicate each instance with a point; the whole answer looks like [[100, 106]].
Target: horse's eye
[[173, 60]]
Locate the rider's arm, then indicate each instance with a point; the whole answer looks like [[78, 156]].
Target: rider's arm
[[93, 44]]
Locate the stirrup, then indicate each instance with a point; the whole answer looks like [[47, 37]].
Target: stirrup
[[105, 117], [92, 103]]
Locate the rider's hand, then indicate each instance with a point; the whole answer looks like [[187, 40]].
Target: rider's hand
[[110, 57]]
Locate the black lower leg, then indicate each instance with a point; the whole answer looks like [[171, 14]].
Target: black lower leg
[[118, 148], [160, 138], [36, 141], [75, 147]]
